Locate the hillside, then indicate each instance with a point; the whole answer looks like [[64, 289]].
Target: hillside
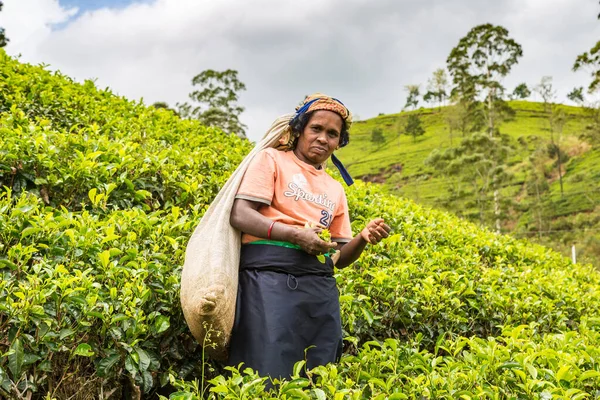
[[99, 197], [552, 219]]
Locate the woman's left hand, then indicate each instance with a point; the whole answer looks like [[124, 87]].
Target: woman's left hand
[[375, 231]]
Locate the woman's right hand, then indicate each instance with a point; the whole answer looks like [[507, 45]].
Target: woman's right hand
[[311, 243]]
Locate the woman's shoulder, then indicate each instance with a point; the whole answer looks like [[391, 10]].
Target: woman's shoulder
[[333, 183], [266, 154], [271, 152]]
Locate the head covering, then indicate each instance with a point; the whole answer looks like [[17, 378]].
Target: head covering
[[316, 102], [320, 101]]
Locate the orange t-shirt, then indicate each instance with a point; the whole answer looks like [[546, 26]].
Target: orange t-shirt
[[294, 192]]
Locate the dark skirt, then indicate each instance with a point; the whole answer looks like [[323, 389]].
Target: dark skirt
[[285, 313]]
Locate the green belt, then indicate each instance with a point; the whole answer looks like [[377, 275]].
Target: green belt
[[287, 245], [278, 243]]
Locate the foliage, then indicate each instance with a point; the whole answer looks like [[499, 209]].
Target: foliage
[[217, 98], [92, 243], [413, 126], [521, 92], [437, 87], [3, 38], [576, 95], [518, 364], [99, 197], [377, 136], [556, 122], [477, 64], [412, 98], [481, 58], [164, 106], [590, 60], [546, 90]]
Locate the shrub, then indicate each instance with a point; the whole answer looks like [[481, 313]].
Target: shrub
[[99, 197]]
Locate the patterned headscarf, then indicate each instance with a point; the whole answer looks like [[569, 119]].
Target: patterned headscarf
[[320, 101], [316, 102]]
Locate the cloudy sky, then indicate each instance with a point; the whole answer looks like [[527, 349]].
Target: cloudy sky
[[361, 51]]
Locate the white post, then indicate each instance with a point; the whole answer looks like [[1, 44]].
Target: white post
[[574, 254]]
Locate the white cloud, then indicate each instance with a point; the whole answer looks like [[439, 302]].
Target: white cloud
[[361, 51], [28, 23]]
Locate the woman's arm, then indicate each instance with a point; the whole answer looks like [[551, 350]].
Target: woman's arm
[[373, 233], [246, 218]]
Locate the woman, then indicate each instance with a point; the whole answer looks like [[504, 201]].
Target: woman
[[287, 299]]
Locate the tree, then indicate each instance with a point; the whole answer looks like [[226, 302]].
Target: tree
[[217, 101], [556, 120], [546, 92], [458, 117], [590, 60], [413, 127], [477, 64], [437, 87], [521, 92], [3, 38], [480, 60], [576, 95], [412, 100], [377, 135], [591, 109], [536, 185]]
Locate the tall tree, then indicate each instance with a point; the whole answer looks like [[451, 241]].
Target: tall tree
[[412, 99], [216, 101], [3, 38], [477, 65], [556, 121], [480, 61], [437, 87], [536, 185]]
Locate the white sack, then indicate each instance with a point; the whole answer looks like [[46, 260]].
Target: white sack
[[209, 280]]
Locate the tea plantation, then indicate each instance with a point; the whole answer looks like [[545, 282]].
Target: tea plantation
[[99, 197]]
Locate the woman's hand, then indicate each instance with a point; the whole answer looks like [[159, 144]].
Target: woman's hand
[[375, 231], [311, 243]]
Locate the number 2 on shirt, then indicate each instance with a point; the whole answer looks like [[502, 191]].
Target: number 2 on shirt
[[326, 219]]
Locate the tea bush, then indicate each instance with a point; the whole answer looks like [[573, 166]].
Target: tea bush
[[517, 364], [99, 197], [60, 140]]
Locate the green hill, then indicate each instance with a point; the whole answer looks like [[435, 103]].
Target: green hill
[[552, 219], [99, 197]]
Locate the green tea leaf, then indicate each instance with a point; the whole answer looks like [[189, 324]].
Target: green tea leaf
[[15, 359], [144, 359], [589, 375], [84, 350], [161, 323], [106, 364]]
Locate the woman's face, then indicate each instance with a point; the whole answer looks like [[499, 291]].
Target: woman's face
[[320, 137]]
